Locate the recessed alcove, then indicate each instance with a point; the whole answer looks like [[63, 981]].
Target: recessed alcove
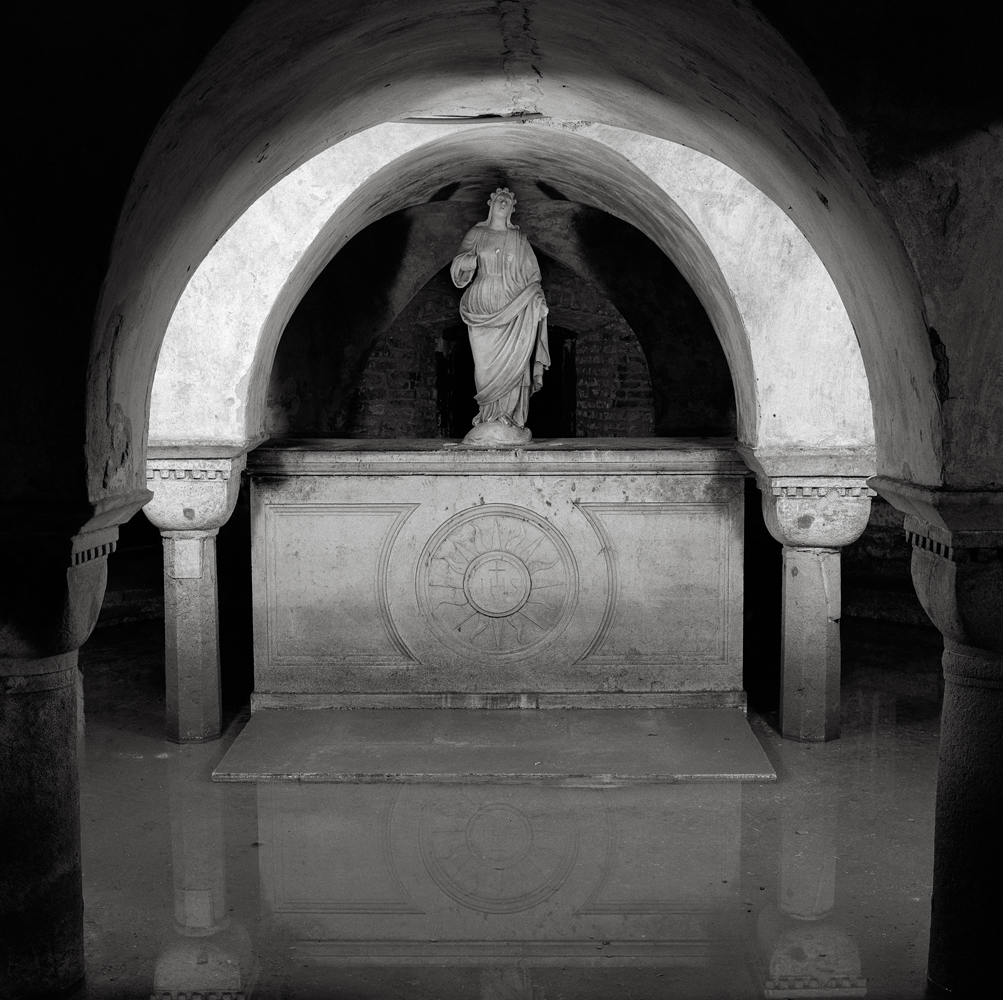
[[633, 351]]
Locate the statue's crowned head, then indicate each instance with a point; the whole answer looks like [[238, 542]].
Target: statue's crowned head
[[505, 195]]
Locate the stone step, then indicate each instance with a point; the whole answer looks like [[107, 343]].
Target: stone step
[[574, 747]]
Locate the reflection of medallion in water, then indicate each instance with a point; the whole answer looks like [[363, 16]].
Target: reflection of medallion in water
[[497, 857], [497, 580]]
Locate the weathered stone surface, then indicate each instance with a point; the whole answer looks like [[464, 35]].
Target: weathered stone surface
[[810, 666], [192, 494], [191, 629], [768, 313], [567, 569]]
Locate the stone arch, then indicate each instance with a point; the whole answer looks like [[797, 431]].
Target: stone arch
[[778, 315], [288, 82]]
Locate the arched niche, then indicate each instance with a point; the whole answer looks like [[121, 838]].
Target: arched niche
[[802, 393], [351, 346]]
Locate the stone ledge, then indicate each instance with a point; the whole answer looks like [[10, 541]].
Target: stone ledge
[[954, 511], [499, 701], [584, 456]]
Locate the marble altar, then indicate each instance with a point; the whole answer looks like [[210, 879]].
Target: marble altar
[[564, 574]]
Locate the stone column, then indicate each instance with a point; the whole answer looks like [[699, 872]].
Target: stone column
[[812, 518], [55, 585], [957, 569], [192, 498]]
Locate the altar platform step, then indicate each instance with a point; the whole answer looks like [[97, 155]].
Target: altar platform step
[[570, 747]]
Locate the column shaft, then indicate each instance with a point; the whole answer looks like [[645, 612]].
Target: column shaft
[[191, 625], [957, 569], [810, 665], [41, 902], [966, 883]]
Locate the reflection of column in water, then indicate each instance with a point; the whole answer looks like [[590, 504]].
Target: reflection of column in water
[[510, 982], [807, 849], [805, 951], [870, 716], [207, 953]]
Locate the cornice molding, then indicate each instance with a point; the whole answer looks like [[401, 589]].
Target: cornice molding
[[799, 463], [960, 512]]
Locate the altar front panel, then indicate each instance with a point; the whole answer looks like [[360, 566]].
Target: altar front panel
[[578, 579]]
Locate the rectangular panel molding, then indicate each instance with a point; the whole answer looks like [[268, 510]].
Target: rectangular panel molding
[[563, 574]]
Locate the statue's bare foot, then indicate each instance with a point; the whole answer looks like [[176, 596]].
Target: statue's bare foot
[[496, 434]]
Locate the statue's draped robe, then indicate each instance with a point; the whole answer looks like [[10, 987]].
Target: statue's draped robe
[[503, 308]]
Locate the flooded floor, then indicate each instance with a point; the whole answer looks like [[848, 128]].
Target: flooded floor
[[815, 885]]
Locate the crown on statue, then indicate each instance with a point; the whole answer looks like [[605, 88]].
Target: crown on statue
[[498, 191]]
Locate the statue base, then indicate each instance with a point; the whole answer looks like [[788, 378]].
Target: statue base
[[495, 434]]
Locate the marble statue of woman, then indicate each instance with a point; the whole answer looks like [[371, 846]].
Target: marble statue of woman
[[506, 314]]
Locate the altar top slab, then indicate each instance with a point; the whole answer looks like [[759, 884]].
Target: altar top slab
[[431, 456]]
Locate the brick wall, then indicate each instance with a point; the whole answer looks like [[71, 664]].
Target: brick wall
[[614, 397], [396, 394]]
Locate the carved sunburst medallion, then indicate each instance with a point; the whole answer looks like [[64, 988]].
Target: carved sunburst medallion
[[499, 856], [497, 580]]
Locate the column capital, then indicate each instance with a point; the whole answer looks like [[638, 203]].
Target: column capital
[[192, 493], [57, 557], [957, 561], [816, 511]]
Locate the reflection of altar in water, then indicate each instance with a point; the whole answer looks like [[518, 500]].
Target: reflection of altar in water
[[495, 890], [578, 573], [537, 881]]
